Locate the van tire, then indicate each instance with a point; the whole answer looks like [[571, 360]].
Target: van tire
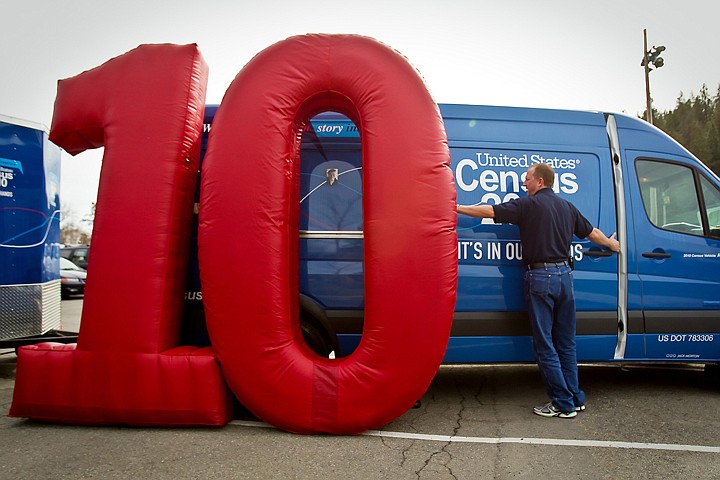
[[318, 337], [712, 373]]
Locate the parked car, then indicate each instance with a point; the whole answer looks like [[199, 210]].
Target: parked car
[[72, 278], [78, 254]]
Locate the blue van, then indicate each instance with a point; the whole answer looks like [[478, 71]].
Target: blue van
[[659, 300]]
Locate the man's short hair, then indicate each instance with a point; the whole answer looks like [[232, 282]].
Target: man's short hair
[[546, 172]]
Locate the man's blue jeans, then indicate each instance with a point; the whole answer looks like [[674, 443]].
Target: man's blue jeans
[[550, 300]]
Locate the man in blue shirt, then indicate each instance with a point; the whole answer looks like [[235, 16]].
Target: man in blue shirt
[[547, 225]]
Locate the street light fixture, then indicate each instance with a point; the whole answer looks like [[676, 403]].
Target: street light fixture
[[650, 57]]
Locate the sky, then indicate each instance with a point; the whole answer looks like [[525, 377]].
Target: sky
[[582, 55]]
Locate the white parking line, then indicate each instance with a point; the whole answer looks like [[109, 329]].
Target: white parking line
[[519, 440]]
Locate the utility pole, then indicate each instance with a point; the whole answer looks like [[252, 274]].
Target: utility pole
[[648, 100], [650, 58]]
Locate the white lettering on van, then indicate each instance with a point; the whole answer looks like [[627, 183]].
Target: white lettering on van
[[502, 250], [468, 249], [576, 251], [566, 182], [487, 160], [469, 177], [484, 159], [193, 295], [324, 128], [555, 162], [468, 187]]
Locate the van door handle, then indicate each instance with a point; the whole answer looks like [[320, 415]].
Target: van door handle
[[656, 255], [597, 253]]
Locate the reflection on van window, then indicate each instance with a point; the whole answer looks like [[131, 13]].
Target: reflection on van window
[[711, 195], [669, 196], [331, 196]]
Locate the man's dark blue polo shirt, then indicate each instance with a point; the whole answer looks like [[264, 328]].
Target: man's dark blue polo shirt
[[547, 224]]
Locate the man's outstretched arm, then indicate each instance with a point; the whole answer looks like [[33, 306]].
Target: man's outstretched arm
[[479, 211]]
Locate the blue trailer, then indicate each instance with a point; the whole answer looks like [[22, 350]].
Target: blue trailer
[[30, 308], [657, 301]]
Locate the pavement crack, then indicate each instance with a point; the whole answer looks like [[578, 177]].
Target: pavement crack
[[438, 464]]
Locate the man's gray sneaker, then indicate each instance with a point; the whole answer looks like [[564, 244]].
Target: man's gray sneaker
[[579, 408], [549, 410]]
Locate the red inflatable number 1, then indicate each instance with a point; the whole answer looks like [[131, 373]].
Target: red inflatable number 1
[[146, 107]]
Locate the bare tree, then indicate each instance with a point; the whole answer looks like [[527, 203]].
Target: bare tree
[[71, 229]]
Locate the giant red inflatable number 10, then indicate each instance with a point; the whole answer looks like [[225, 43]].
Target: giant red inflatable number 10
[[146, 108]]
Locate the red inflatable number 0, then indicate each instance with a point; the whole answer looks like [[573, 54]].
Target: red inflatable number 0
[[248, 235]]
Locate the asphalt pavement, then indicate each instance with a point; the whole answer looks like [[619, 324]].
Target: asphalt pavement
[[475, 421]]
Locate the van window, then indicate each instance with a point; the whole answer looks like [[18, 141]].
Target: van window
[[669, 196], [331, 192], [711, 194]]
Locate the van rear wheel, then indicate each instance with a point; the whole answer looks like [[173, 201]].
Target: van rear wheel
[[318, 338], [712, 373]]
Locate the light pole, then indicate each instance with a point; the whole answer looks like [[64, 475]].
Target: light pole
[[650, 58]]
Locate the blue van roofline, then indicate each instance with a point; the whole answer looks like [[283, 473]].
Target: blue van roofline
[[544, 115], [518, 114], [498, 125], [480, 123], [641, 135], [638, 134]]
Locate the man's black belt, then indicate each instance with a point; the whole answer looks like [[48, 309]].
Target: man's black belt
[[535, 266]]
